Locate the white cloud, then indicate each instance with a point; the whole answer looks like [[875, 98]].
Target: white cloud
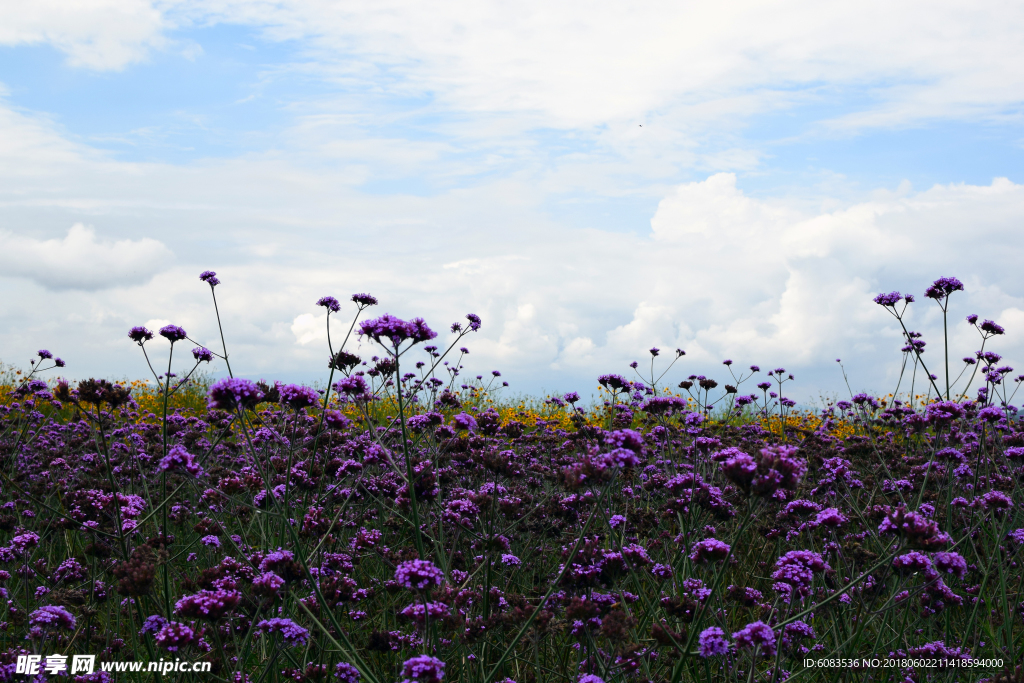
[[721, 275], [80, 261], [96, 34], [579, 63], [308, 328], [584, 63]]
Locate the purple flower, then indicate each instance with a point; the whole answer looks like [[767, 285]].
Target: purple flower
[[396, 330], [890, 299], [571, 397], [330, 303], [756, 635], [943, 287], [992, 328], [346, 673], [801, 507], [53, 617], [862, 399], [233, 392], [177, 459], [937, 649], [474, 321], [354, 386], [423, 669], [276, 559], [951, 563], [709, 550], [418, 613], [664, 405], [620, 457], [209, 605], [662, 571], [418, 574], [172, 333], [917, 530], [210, 277], [712, 642], [465, 421], [942, 412], [44, 354], [267, 583], [795, 572], [336, 419], [616, 382], [201, 353], [624, 438], [993, 500], [590, 678], [830, 517], [739, 468], [174, 636], [291, 633], [153, 624], [140, 335], [364, 300], [298, 396], [912, 562]]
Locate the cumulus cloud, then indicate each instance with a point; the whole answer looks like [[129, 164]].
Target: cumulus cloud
[[80, 260], [720, 274]]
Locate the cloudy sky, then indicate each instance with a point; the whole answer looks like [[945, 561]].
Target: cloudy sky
[[591, 178]]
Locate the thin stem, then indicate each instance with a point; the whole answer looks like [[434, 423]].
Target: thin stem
[[220, 328]]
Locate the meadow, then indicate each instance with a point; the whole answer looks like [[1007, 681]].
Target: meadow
[[408, 523]]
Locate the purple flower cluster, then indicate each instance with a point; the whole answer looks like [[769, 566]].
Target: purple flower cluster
[[298, 396], [777, 467], [209, 605], [795, 570], [354, 387], [395, 330], [173, 333], [756, 635], [291, 633], [712, 642], [916, 530], [418, 575], [179, 459], [709, 550], [943, 287], [209, 277], [423, 669], [330, 303], [232, 393], [173, 636], [419, 612], [346, 673], [52, 617], [140, 335]]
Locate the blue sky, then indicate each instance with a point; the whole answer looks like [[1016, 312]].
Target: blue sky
[[590, 180]]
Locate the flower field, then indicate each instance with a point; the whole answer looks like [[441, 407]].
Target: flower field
[[408, 524]]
